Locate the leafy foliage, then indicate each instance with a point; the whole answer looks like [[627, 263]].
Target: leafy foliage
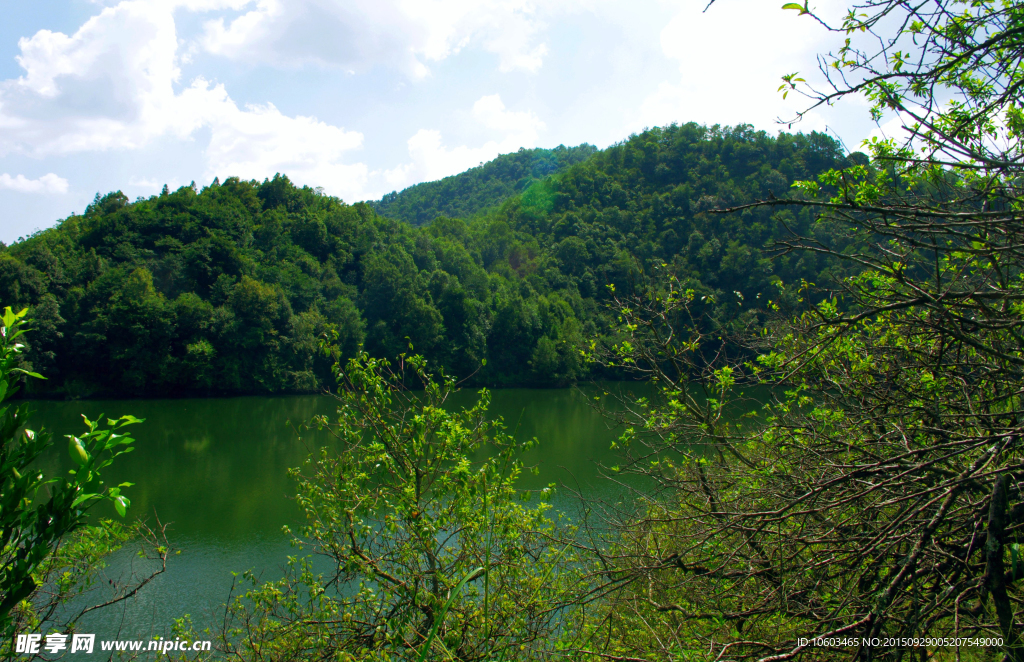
[[431, 551], [879, 493], [43, 534], [228, 289], [488, 185]]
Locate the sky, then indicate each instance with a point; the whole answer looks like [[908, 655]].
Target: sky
[[364, 97]]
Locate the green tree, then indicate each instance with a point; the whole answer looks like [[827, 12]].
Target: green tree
[[433, 553], [488, 185], [539, 225], [398, 310], [878, 494], [38, 515]]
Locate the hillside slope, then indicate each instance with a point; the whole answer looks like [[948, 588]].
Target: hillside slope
[[227, 289], [489, 184]]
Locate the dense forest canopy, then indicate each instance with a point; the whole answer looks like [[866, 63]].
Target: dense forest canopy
[[488, 185], [227, 289], [872, 510], [867, 503]]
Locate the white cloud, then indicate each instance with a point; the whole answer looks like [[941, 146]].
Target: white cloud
[[142, 182], [111, 85], [208, 5], [115, 84], [260, 141], [896, 127], [730, 69], [48, 183], [521, 126], [359, 34], [431, 160]]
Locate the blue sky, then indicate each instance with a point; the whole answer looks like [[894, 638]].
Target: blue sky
[[362, 97]]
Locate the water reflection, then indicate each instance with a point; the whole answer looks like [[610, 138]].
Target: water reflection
[[216, 469]]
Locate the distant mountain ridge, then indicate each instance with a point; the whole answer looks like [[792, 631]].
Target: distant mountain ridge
[[230, 288], [487, 185]]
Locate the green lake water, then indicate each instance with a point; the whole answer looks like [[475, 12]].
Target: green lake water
[[216, 471]]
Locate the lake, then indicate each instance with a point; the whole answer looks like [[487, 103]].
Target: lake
[[216, 471]]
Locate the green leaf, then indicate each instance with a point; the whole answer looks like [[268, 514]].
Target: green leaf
[[10, 318], [121, 504], [472, 574], [83, 497], [77, 451]]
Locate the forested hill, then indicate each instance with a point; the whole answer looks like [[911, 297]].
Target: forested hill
[[489, 184], [227, 289]]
